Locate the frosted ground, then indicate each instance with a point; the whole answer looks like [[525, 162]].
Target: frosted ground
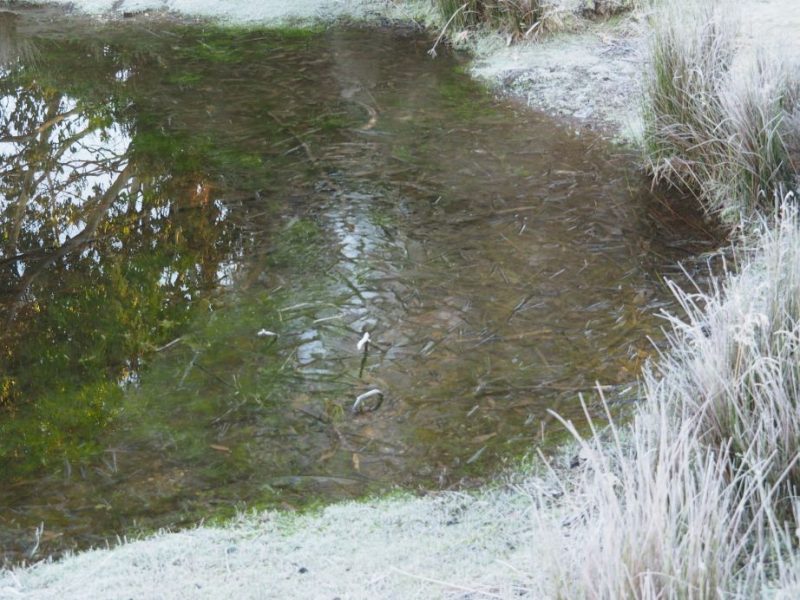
[[401, 548], [518, 537], [593, 74]]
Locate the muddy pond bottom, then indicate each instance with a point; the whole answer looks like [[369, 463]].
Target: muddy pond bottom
[[198, 226]]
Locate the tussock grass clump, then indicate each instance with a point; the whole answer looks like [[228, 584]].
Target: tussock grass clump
[[717, 123], [517, 17], [525, 18], [668, 517], [607, 8], [741, 378], [697, 498]]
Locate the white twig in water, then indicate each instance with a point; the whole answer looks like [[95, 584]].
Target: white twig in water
[[365, 339], [475, 456], [38, 540], [169, 345]]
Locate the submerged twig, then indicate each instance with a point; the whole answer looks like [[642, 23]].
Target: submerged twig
[[373, 115], [169, 344], [306, 148], [363, 343]]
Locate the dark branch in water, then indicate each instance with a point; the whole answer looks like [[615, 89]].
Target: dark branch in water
[[73, 244]]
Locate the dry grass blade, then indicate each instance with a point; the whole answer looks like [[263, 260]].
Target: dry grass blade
[[513, 16]]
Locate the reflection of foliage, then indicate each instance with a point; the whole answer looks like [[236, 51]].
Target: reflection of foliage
[[297, 244], [113, 152], [99, 254], [222, 374]]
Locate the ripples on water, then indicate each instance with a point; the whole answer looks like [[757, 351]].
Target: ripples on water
[[167, 192]]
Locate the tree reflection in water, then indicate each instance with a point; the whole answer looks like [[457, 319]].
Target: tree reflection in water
[[100, 257]]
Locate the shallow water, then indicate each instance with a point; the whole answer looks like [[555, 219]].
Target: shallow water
[[198, 227]]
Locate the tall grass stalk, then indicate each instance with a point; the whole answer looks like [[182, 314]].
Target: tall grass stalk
[[717, 123]]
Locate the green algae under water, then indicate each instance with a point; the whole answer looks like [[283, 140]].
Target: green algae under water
[[197, 226]]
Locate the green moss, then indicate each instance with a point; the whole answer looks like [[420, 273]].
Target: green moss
[[300, 244], [60, 426], [186, 79], [464, 99], [229, 45], [180, 151], [232, 159], [333, 122]]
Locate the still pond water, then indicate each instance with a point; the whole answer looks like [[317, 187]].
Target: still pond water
[[197, 227]]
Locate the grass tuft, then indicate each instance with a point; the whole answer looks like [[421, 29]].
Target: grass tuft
[[717, 123], [518, 18], [743, 367], [697, 498]]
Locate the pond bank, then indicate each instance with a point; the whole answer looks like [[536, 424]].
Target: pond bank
[[591, 72], [532, 537], [393, 548], [233, 12]]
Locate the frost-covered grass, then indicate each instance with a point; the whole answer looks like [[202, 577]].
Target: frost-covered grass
[[705, 506], [696, 498], [241, 12], [719, 122], [523, 18]]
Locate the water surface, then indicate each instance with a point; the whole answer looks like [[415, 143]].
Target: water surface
[[197, 227]]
